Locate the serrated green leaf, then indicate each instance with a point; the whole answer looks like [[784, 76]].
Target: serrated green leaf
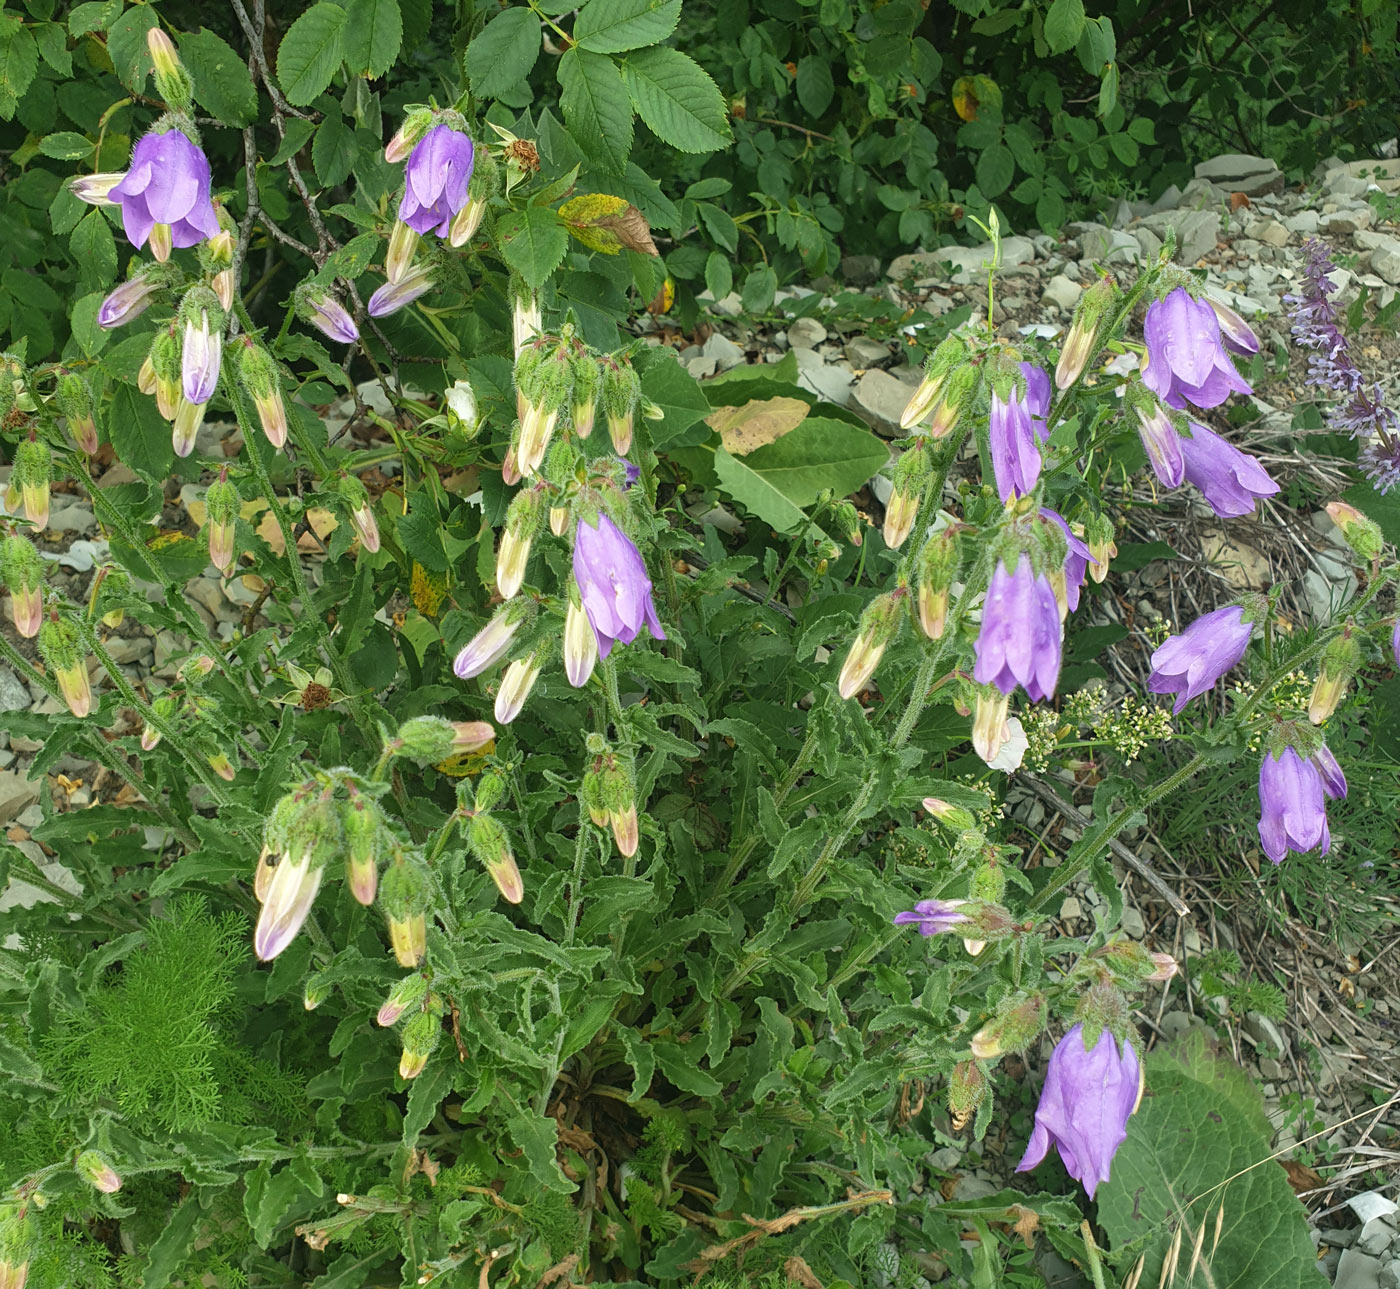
[[333, 151], [95, 250], [538, 1137], [719, 275], [373, 36], [615, 26], [66, 145], [1063, 24], [52, 43], [679, 1064], [815, 87], [425, 1094], [504, 53], [597, 110], [533, 242], [995, 169], [222, 82], [310, 52], [126, 46], [139, 434], [170, 1247], [677, 99]]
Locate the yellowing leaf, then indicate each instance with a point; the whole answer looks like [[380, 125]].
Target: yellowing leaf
[[970, 93], [606, 223], [759, 422], [428, 590]]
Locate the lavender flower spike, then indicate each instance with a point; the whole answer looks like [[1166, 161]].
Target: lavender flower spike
[[1191, 663], [1016, 425], [1085, 1105], [393, 296], [200, 359], [932, 917], [1020, 639], [1186, 358], [1292, 802], [167, 185], [435, 180], [613, 583], [1231, 481]]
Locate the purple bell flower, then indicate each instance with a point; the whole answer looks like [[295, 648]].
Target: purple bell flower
[[1395, 643], [932, 917], [1085, 1105], [613, 584], [1231, 481], [1191, 663], [200, 358], [1015, 428], [393, 296], [128, 301], [435, 180], [1186, 358], [330, 318], [168, 183], [1020, 639], [1292, 801], [1161, 442], [1076, 562]]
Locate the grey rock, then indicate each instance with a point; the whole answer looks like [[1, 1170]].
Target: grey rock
[[1340, 183], [1061, 292], [1239, 172], [14, 694], [1265, 1033], [964, 262], [1169, 200], [1148, 243], [1269, 231], [723, 350], [832, 384], [862, 351], [1133, 924], [1196, 234], [1304, 223], [16, 793], [1109, 245], [1389, 1277], [700, 366], [805, 333], [881, 400], [908, 373], [860, 270], [1385, 261], [126, 650], [1070, 908], [72, 519], [1044, 245], [730, 307], [1340, 223], [1122, 214], [1200, 194]]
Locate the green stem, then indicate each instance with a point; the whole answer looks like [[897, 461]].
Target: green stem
[[576, 885], [614, 699]]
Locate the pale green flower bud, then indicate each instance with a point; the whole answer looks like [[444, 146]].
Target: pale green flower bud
[[587, 380], [74, 400], [487, 840], [878, 625], [403, 242], [1340, 660], [224, 506], [404, 894], [63, 654], [409, 992], [94, 1169], [421, 1034], [23, 573], [364, 832], [1362, 535], [622, 391], [1018, 1021], [262, 381], [32, 474]]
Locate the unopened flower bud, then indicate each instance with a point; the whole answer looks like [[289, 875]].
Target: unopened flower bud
[[359, 816], [184, 429], [487, 840], [910, 476], [356, 498], [224, 505], [878, 625], [1164, 967], [146, 377], [165, 365], [223, 767], [393, 296], [415, 125], [1018, 1020], [1236, 333], [465, 222], [471, 736], [967, 1089], [460, 403], [409, 992], [262, 381], [316, 990], [1098, 535], [63, 654], [516, 683], [427, 738], [161, 242], [172, 81], [513, 552], [989, 730], [1082, 339], [94, 1169], [94, 189], [622, 391], [1158, 432], [420, 1036], [580, 642], [492, 641], [398, 259], [526, 321], [404, 894], [164, 708], [1339, 663], [958, 391], [588, 377], [74, 400], [32, 474], [324, 312], [22, 571], [617, 795], [1362, 535], [950, 353], [957, 818]]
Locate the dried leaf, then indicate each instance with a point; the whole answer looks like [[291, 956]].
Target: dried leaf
[[1300, 1177], [797, 1270], [1026, 1224], [631, 229], [606, 223], [759, 422]]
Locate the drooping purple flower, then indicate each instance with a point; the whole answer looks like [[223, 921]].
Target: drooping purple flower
[[1191, 663], [1016, 426], [1161, 442], [1186, 359], [128, 301], [613, 584], [1020, 639], [393, 296], [932, 917], [1292, 801], [200, 358], [1231, 481], [1077, 561], [168, 183], [1395, 643], [330, 317], [435, 180], [1085, 1105], [630, 472]]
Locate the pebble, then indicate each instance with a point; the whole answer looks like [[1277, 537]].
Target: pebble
[[862, 351], [127, 650], [14, 693], [723, 350], [860, 270], [1240, 172], [1133, 924], [16, 794], [805, 333], [881, 399]]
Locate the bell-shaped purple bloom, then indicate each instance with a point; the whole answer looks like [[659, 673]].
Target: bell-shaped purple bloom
[[932, 917], [1077, 561], [1292, 801], [1020, 639], [168, 183], [1237, 334], [1191, 663], [128, 301], [1395, 643], [1162, 444], [1016, 426], [613, 584], [200, 359], [1085, 1105], [393, 296], [330, 318], [1186, 358], [1231, 481], [435, 180]]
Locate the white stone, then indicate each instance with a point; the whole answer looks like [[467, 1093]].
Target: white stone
[[1239, 172], [881, 398], [723, 350], [805, 333], [1061, 292]]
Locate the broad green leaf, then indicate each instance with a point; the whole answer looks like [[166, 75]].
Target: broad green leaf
[[596, 108], [679, 396], [995, 170], [1063, 24], [1108, 89], [90, 337], [681, 1066], [139, 435], [756, 493], [1050, 209], [677, 99], [310, 52], [172, 1245], [815, 87], [333, 152], [425, 1093], [222, 82], [533, 241], [1124, 147], [52, 43], [1200, 1141], [95, 250], [126, 46], [719, 275], [1142, 129], [65, 145], [760, 287], [373, 34], [820, 453], [538, 1137], [504, 53], [615, 26]]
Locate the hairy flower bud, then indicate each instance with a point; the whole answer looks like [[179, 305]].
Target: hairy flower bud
[[360, 818], [404, 894], [393, 296], [1339, 663], [588, 379], [516, 683], [460, 405], [950, 353], [580, 642], [1362, 535], [487, 840], [1098, 534], [967, 1090], [74, 400], [172, 80], [184, 429], [546, 385], [958, 392], [224, 505], [911, 475], [32, 474], [433, 739], [356, 498], [878, 625], [937, 567], [415, 125], [302, 835], [1019, 1019], [94, 1169], [63, 654], [22, 571], [1083, 335], [262, 382], [1160, 438], [513, 552], [19, 1242], [409, 992], [420, 1036], [165, 365], [617, 796], [622, 391], [956, 817]]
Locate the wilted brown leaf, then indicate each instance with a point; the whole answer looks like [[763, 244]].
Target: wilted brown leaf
[[631, 229], [1300, 1177], [758, 422], [797, 1270]]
